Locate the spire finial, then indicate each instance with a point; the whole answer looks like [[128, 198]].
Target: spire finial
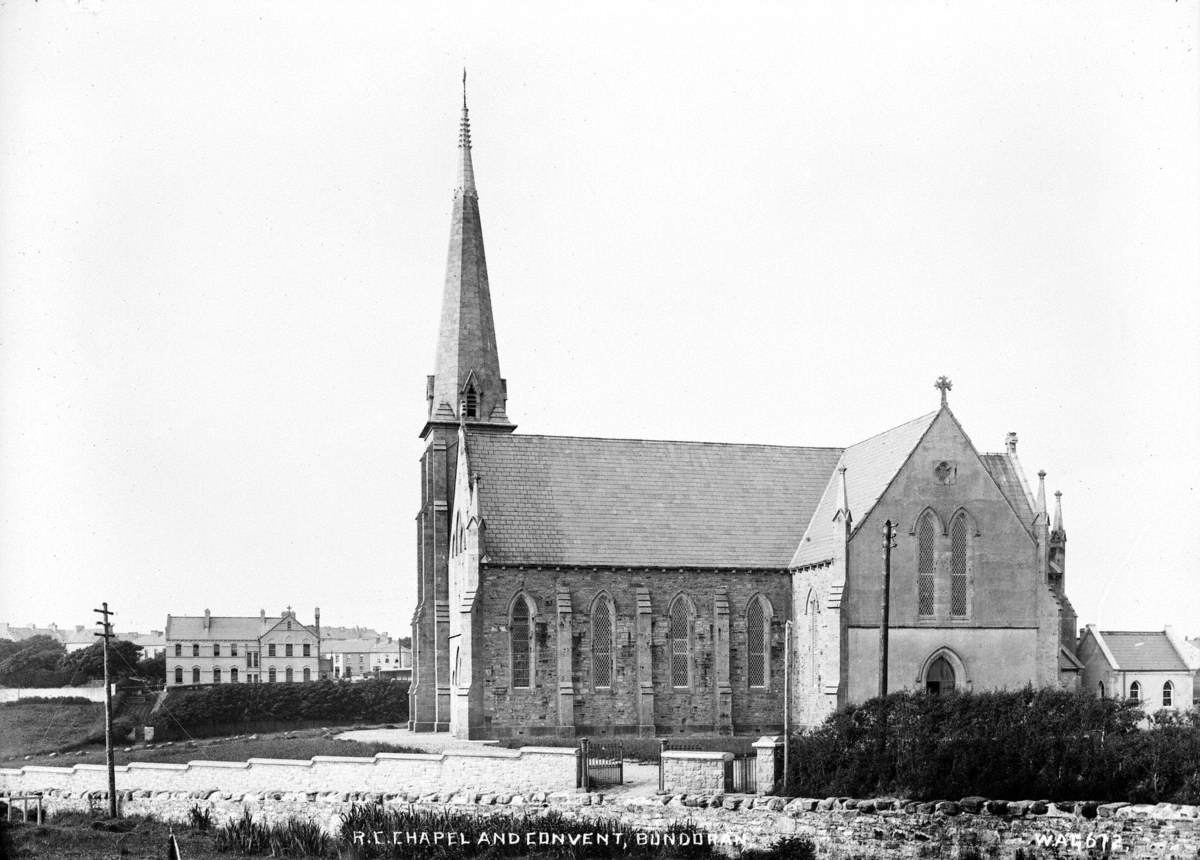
[[1058, 523], [1040, 504], [464, 88], [943, 384]]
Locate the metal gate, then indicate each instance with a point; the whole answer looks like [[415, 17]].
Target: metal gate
[[739, 774], [598, 765]]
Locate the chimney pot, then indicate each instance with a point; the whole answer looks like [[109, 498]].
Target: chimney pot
[[1010, 443]]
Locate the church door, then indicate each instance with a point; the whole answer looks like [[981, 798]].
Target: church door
[[940, 677]]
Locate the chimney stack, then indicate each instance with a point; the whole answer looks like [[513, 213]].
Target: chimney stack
[[317, 620], [207, 620], [1010, 443]]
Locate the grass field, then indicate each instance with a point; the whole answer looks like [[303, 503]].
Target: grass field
[[44, 728], [305, 744]]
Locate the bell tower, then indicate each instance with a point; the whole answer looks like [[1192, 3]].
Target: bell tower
[[465, 387]]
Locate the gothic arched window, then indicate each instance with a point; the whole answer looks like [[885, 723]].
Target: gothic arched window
[[1135, 691], [758, 634], [472, 403], [812, 608], [520, 634], [1168, 694], [602, 642], [926, 537], [680, 638], [958, 566]]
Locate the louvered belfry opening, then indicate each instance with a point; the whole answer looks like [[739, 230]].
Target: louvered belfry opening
[[756, 645], [926, 535], [680, 645], [602, 644], [518, 631], [958, 567]]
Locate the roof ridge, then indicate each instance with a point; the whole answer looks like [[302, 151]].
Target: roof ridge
[[482, 434]]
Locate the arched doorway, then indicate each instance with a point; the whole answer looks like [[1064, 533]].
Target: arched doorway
[[939, 677]]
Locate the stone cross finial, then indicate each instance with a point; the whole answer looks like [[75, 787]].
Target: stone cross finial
[[943, 385]]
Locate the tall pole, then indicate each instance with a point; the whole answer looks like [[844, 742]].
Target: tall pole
[[889, 541], [108, 739], [787, 702]]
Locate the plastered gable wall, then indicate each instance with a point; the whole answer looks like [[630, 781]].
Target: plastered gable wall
[[998, 641], [534, 711]]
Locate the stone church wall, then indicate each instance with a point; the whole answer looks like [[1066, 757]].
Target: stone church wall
[[615, 710]]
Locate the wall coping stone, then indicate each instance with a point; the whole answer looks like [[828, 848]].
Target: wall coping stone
[[232, 765], [348, 759], [398, 756], [698, 755], [286, 762]]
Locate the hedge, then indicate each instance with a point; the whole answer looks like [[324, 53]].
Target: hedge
[[1024, 744], [235, 704]]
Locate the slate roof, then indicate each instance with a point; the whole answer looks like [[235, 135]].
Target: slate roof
[[870, 467], [1143, 652], [637, 502], [1005, 474], [221, 627], [357, 646]]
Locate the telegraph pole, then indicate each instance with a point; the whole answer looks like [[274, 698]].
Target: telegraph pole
[[889, 542], [108, 739]]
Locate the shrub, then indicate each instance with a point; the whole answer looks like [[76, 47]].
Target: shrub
[[1028, 743], [230, 705]]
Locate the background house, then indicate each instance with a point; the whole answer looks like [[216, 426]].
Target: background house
[[1155, 668], [211, 649]]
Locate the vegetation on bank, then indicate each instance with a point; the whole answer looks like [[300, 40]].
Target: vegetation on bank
[[221, 709], [1023, 744], [41, 727]]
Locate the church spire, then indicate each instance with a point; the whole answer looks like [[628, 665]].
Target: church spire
[[466, 384]]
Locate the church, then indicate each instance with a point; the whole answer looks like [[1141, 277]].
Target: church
[[581, 586]]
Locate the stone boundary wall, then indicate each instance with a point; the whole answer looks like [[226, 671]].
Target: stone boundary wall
[[525, 770], [693, 771], [16, 694], [841, 828]]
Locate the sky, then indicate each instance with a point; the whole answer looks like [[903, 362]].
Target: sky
[[223, 233]]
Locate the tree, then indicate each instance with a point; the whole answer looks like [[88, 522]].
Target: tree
[[87, 664], [32, 663], [153, 669]]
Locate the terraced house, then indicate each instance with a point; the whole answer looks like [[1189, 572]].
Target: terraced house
[[222, 649], [571, 585]]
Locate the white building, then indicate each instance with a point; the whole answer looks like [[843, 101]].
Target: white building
[[1154, 668], [214, 649], [367, 657]]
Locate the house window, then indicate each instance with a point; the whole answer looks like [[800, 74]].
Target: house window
[[958, 567], [1101, 689], [216, 649], [926, 535], [472, 403], [307, 674], [307, 649], [255, 655], [287, 675], [216, 675], [233, 675], [178, 650], [195, 649], [271, 675], [287, 650], [520, 633], [679, 634], [1168, 694], [1135, 691], [758, 631], [178, 673], [602, 642], [195, 674], [271, 650], [232, 649]]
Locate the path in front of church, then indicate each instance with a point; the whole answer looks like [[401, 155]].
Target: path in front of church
[[640, 779]]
